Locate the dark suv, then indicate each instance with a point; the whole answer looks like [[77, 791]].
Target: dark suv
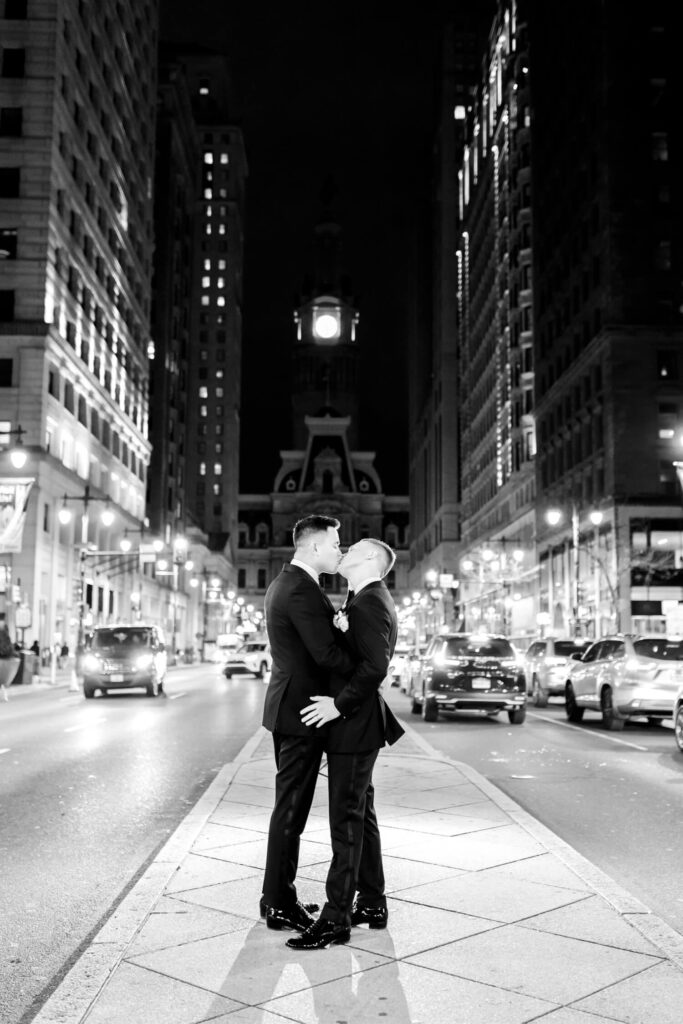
[[124, 657], [470, 672]]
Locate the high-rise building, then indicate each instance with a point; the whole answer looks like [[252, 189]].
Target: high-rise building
[[214, 358], [570, 325], [608, 288], [434, 392], [195, 376], [77, 108], [495, 337]]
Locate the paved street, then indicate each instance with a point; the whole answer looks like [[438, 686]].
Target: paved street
[[89, 790]]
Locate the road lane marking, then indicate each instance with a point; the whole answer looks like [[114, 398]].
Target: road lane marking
[[5, 750], [85, 725], [174, 696], [600, 735]]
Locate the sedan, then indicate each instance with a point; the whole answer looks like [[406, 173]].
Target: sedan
[[626, 676], [470, 672]]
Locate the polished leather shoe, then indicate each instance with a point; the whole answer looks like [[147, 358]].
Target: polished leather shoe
[[296, 917], [320, 935], [375, 917], [312, 908]]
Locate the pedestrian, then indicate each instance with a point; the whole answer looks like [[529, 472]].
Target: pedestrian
[[305, 651], [9, 662], [35, 647], [64, 654], [361, 724]]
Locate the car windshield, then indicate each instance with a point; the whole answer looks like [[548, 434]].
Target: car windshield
[[249, 648], [661, 649], [565, 648], [121, 637], [477, 647]]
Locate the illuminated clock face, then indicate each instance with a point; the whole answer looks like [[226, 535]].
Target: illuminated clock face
[[326, 326]]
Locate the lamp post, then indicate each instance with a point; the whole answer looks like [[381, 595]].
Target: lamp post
[[107, 518], [554, 517], [18, 456]]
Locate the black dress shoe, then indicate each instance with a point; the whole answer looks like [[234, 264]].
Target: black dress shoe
[[296, 917], [312, 908], [320, 935], [376, 917]]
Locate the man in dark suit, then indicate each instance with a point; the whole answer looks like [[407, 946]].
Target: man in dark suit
[[361, 724], [306, 650]]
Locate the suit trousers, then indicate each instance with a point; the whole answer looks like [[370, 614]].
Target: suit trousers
[[356, 848], [297, 759]]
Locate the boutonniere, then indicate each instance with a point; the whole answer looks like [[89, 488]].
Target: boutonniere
[[341, 620]]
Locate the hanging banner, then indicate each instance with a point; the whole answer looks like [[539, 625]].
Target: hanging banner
[[13, 504]]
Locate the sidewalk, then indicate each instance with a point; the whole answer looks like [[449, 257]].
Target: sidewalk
[[492, 919]]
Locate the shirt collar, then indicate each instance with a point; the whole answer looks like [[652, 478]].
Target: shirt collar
[[370, 579], [302, 565]]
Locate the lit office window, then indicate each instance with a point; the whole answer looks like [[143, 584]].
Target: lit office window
[[665, 433], [217, 469], [220, 282], [202, 410], [225, 159], [222, 264], [208, 193], [206, 281], [208, 158], [202, 469], [219, 392], [220, 301], [207, 229], [221, 229], [219, 375], [203, 392], [205, 300], [207, 265]]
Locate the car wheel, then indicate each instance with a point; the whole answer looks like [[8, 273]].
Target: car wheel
[[573, 711], [415, 706], [430, 711], [678, 727], [153, 688], [228, 675], [262, 669], [539, 696], [517, 716], [610, 718], [89, 692]]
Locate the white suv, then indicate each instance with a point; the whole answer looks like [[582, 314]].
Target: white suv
[[546, 667], [252, 658]]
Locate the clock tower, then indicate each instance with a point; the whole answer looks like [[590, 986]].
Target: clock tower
[[325, 371]]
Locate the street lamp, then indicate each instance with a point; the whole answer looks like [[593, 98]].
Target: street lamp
[[107, 517], [17, 452], [554, 517]]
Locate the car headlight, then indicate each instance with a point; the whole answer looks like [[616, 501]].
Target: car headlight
[[144, 661], [91, 663]]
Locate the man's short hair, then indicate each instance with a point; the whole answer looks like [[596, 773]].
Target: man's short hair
[[387, 555], [310, 525]]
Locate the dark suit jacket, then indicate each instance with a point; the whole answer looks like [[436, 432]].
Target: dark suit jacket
[[305, 647], [367, 722]]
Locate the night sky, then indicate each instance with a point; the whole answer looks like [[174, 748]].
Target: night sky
[[326, 90]]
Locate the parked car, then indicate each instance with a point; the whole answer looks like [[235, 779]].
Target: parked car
[[546, 666], [124, 657], [624, 676], [399, 668], [470, 672], [252, 658]]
